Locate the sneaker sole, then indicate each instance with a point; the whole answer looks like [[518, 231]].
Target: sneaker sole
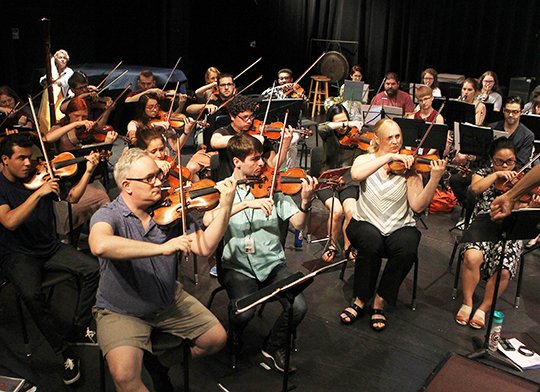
[[266, 355], [73, 380]]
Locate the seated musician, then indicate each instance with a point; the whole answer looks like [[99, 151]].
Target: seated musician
[[98, 107], [459, 183], [339, 155], [519, 134], [393, 96], [286, 88], [429, 77], [210, 88], [60, 67], [480, 259], [490, 93], [138, 291], [152, 141], [354, 108], [383, 224], [11, 117], [426, 112], [28, 246], [226, 90], [253, 256], [66, 135]]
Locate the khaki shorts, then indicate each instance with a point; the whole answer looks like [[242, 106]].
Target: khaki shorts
[[186, 318]]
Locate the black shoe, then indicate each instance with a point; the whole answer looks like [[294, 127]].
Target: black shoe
[[158, 373], [72, 371], [278, 357]]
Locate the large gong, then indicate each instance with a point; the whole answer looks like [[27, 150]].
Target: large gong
[[335, 66]]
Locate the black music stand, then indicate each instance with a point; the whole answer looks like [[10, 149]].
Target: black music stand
[[289, 287], [278, 108], [520, 225], [414, 130], [373, 113], [532, 121], [459, 111], [473, 139]]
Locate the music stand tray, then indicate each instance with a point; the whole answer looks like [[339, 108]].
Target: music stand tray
[[414, 130]]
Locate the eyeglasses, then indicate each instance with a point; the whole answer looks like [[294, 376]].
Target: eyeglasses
[[515, 112], [150, 179], [247, 118], [226, 85], [488, 81], [501, 162]]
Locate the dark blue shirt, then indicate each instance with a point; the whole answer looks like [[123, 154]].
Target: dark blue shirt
[[36, 235], [138, 287]]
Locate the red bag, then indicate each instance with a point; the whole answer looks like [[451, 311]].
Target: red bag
[[443, 201]]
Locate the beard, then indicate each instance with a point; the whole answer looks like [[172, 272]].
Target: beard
[[391, 92]]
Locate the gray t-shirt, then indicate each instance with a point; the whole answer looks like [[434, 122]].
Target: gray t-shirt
[[139, 287]]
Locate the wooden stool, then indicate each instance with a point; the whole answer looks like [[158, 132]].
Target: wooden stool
[[318, 92]]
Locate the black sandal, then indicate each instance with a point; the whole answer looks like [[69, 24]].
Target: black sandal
[[378, 320], [351, 253], [352, 317], [330, 253]]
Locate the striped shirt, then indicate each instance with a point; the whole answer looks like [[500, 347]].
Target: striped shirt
[[383, 200]]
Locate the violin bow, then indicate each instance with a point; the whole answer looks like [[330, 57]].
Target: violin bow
[[276, 169], [267, 109], [172, 71], [371, 103], [249, 67], [112, 81], [309, 68], [114, 103], [108, 74], [43, 150], [240, 92], [169, 113], [181, 192]]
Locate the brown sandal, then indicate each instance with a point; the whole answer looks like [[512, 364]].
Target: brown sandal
[[463, 315]]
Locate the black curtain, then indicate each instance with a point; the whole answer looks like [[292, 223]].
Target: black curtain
[[406, 36]]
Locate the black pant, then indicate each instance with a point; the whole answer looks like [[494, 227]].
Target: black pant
[[239, 285], [26, 274], [401, 250]]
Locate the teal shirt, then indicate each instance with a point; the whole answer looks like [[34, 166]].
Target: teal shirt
[[265, 234]]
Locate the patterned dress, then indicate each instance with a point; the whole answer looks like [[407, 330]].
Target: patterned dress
[[492, 252]]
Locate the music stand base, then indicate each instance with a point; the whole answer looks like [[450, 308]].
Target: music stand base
[[487, 354]]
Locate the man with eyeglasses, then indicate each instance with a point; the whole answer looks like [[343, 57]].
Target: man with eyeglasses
[[521, 136], [138, 291], [226, 90]]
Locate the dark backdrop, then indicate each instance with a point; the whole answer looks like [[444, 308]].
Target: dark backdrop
[[459, 36]]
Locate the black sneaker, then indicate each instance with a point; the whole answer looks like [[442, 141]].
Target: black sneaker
[[278, 357], [72, 371]]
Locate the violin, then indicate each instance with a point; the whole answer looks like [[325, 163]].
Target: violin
[[503, 185], [173, 174], [354, 137], [272, 131], [201, 196], [63, 165], [294, 91], [177, 121], [422, 164]]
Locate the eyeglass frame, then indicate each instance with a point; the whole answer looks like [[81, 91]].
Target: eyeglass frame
[[501, 162], [150, 179]]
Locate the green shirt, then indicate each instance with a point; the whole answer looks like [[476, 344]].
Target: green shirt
[[265, 234]]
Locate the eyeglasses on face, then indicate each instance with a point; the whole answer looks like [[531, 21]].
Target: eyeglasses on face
[[246, 117], [150, 179], [501, 162], [515, 112]]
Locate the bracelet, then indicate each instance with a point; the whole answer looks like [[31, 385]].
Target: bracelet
[[305, 211]]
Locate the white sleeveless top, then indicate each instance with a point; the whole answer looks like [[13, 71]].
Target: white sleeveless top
[[383, 201]]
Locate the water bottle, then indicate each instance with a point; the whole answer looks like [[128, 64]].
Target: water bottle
[[298, 239], [496, 327]]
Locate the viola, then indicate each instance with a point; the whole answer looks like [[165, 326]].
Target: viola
[[201, 196], [354, 137], [272, 131], [173, 174], [63, 165]]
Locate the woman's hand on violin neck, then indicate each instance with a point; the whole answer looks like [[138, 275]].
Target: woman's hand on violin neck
[[111, 137], [92, 161], [507, 175], [227, 189], [309, 184], [176, 244], [437, 168], [164, 166]]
